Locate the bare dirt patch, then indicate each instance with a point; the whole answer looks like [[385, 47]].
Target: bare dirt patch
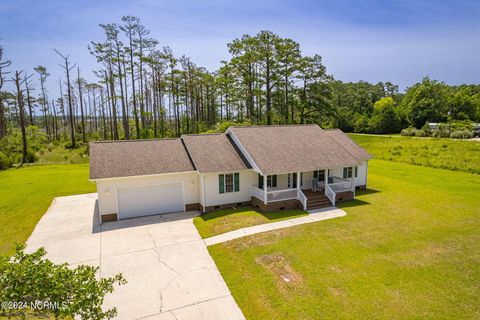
[[280, 268]]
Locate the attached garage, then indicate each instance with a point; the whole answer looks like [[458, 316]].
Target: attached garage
[[142, 178], [149, 200]]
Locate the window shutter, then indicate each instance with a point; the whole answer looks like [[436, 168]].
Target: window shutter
[[356, 172], [236, 182], [221, 183], [274, 181], [260, 181], [345, 173]]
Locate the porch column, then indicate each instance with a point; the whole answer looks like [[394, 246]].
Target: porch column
[[325, 178], [298, 180], [265, 189], [353, 182]]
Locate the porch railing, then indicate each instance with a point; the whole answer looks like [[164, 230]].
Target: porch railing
[[303, 199], [339, 184], [274, 195], [280, 195], [258, 193], [330, 194]]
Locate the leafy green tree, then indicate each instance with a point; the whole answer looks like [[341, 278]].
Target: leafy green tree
[[464, 104], [267, 57], [425, 101], [289, 57], [385, 118], [30, 279], [362, 124], [244, 62], [315, 91]]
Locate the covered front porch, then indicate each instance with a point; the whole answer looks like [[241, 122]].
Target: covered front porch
[[310, 189]]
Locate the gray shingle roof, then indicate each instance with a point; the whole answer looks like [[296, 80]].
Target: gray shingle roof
[[214, 153], [274, 149], [282, 149], [139, 157]]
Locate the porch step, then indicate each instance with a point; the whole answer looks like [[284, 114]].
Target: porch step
[[317, 205], [317, 200]]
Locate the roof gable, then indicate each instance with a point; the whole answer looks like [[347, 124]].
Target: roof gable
[[214, 153]]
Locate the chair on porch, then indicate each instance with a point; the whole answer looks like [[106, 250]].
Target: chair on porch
[[317, 185]]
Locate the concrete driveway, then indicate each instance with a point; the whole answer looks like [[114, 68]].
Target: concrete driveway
[[169, 271]]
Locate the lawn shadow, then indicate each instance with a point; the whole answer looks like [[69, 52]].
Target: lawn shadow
[[96, 220], [283, 214], [352, 203], [222, 213], [366, 191], [275, 215]]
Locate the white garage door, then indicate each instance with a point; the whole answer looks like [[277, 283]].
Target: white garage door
[[144, 201]]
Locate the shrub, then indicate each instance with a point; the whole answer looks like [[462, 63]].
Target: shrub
[[31, 157], [422, 133], [76, 292], [426, 130], [5, 162], [410, 132], [440, 133], [461, 134]]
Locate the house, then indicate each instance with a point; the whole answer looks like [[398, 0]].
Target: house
[[268, 167]]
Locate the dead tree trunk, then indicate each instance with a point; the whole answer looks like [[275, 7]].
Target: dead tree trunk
[[21, 111]]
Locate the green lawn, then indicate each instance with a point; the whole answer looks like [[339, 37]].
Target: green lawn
[[217, 222], [409, 248], [449, 154], [26, 193]]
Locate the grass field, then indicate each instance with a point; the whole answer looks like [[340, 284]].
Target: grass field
[[409, 248], [62, 155], [449, 154], [217, 222], [26, 193]]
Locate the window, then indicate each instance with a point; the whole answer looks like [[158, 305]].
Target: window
[[292, 180], [347, 172], [356, 171], [271, 181], [229, 182], [319, 175]]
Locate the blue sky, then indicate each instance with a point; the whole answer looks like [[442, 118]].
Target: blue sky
[[397, 41]]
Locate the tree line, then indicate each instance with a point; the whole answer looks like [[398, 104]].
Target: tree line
[[143, 90]]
